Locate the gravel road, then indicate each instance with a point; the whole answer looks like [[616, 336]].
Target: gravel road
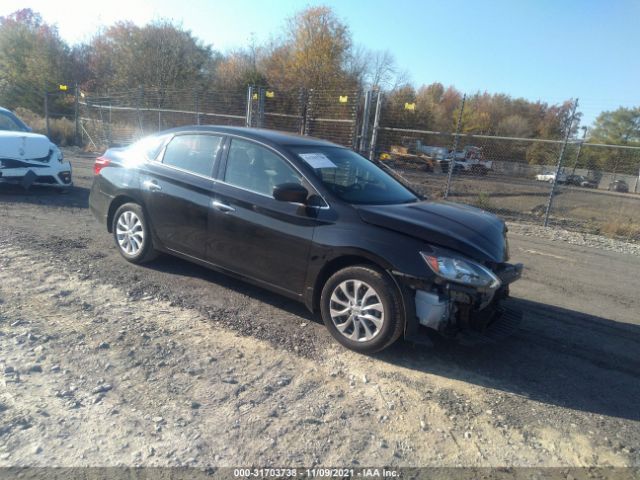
[[105, 363]]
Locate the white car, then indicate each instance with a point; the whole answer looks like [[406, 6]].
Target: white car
[[550, 177], [28, 158]]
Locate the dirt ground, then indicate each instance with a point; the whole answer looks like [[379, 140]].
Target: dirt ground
[[103, 363]]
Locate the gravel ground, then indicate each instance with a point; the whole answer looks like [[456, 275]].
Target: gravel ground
[[105, 363], [575, 238]]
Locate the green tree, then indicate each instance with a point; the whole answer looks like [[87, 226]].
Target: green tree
[[619, 127], [159, 57]]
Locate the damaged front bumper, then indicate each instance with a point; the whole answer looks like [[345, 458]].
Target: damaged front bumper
[[58, 176], [455, 310]]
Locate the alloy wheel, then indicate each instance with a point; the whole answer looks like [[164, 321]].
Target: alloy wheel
[[129, 233], [356, 310]]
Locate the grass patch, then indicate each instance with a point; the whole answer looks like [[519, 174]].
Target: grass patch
[[622, 228], [483, 201]]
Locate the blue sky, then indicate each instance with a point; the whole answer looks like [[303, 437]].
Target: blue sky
[[544, 49]]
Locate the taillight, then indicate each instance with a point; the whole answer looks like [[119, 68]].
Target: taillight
[[101, 162]]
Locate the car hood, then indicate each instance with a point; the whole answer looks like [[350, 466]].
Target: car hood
[[468, 230], [24, 146]]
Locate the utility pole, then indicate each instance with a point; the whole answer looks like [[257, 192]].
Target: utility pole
[[560, 158], [456, 143], [76, 110], [584, 136]]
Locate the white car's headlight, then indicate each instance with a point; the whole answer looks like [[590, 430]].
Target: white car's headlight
[[462, 271]]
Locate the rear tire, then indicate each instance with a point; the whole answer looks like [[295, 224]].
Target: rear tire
[[362, 308], [132, 234]]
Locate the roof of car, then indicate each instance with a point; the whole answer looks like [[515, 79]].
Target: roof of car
[[272, 136]]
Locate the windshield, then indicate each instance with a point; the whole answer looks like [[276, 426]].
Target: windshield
[[11, 123], [353, 178]]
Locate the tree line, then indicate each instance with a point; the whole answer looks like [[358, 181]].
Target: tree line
[[315, 50]]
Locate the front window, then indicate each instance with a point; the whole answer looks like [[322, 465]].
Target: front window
[[256, 168], [11, 123], [353, 178]]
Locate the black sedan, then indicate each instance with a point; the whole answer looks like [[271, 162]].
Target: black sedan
[[619, 186], [310, 220], [580, 181]]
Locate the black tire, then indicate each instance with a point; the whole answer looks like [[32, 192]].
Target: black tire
[[384, 287], [145, 252]]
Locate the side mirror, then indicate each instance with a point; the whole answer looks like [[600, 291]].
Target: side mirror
[[290, 192]]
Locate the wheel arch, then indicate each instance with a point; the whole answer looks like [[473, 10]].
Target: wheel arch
[[348, 260]]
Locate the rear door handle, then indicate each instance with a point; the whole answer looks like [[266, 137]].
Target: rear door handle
[[152, 185], [223, 207]]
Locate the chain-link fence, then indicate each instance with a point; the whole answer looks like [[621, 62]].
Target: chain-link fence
[[557, 180], [120, 118]]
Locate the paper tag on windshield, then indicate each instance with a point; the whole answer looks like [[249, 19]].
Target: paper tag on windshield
[[317, 160]]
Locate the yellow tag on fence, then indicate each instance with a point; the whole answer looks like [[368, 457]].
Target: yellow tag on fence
[[270, 94], [343, 98], [63, 87], [255, 96], [409, 106]]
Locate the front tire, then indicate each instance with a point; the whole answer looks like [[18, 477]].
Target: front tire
[[132, 234], [362, 308]]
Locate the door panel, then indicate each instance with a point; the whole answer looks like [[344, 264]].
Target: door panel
[[250, 232], [178, 204], [260, 237], [179, 190]]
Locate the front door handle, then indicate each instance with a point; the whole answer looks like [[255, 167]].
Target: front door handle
[[152, 185], [223, 207]]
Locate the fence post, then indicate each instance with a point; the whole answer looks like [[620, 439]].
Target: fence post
[[364, 131], [560, 158], [196, 102], [584, 136], [456, 142], [376, 122], [249, 106], [261, 97], [140, 124], [308, 111], [302, 109], [46, 113], [110, 122], [76, 110]]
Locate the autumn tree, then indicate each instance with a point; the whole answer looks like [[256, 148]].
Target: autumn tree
[[33, 58], [312, 53]]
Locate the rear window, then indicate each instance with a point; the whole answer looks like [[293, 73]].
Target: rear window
[[193, 153], [150, 146]]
